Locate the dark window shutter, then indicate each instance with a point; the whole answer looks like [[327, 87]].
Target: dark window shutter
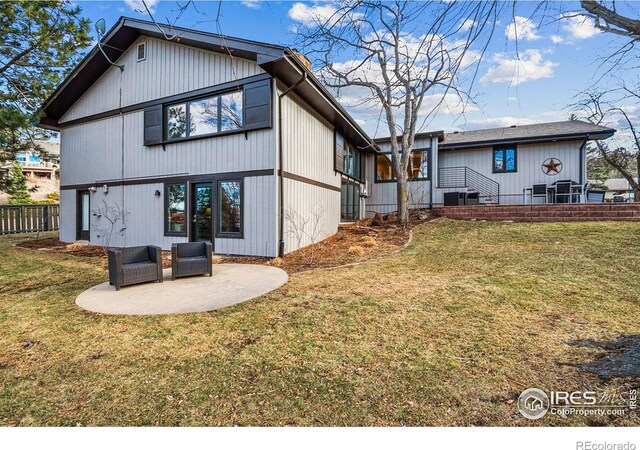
[[153, 125], [257, 105], [339, 153]]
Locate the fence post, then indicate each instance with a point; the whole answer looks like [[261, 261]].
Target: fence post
[[23, 223], [45, 215]]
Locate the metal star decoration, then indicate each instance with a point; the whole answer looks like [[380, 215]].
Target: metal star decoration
[[552, 166]]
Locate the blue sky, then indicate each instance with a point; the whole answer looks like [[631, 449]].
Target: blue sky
[[558, 58]]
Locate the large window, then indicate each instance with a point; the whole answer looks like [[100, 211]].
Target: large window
[[175, 209], [205, 116], [229, 208], [418, 168], [505, 159]]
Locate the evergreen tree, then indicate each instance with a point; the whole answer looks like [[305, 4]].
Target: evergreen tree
[[39, 44], [17, 188]]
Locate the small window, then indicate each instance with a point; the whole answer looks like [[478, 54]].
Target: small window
[[142, 52], [229, 208], [505, 159], [175, 209]]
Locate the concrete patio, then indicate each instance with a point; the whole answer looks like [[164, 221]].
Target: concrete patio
[[230, 284]]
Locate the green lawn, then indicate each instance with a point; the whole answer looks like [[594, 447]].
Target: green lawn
[[448, 332]]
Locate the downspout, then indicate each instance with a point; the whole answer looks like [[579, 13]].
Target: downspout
[[281, 159], [583, 163]]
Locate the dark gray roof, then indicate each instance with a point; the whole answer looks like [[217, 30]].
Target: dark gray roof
[[540, 132], [428, 134]]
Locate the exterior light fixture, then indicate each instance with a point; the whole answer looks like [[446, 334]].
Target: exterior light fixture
[[157, 193], [105, 189]]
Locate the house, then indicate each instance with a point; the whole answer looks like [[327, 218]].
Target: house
[[209, 137], [498, 164], [618, 189]]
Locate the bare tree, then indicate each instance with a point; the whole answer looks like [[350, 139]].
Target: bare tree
[[307, 231], [601, 111], [402, 53], [610, 20]]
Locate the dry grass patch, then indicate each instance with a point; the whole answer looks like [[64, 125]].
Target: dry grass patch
[[447, 332]]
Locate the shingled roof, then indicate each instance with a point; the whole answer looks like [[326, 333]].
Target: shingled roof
[[541, 132]]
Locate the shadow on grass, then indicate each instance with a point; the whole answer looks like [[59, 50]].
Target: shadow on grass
[[620, 357]]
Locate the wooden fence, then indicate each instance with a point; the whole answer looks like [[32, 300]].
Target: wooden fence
[[29, 218]]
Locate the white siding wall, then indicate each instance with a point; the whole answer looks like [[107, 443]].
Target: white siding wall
[[530, 159], [169, 69], [308, 143], [383, 196], [91, 153]]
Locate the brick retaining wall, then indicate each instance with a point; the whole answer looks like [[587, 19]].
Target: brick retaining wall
[[543, 213]]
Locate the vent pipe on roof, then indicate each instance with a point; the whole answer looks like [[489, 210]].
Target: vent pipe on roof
[[302, 58]]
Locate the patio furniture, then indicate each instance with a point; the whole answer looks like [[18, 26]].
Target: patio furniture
[[191, 258], [133, 265], [595, 196], [539, 191], [563, 191], [472, 198], [453, 198]]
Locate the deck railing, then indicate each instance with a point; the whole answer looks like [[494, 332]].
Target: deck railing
[[29, 218], [465, 177]]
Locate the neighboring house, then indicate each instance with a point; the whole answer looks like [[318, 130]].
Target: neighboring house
[[208, 137], [41, 173], [618, 187]]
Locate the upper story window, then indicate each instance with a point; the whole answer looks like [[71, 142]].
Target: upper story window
[[418, 168], [505, 159], [205, 116], [348, 160], [142, 52]]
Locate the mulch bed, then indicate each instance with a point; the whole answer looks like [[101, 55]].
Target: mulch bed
[[366, 240]]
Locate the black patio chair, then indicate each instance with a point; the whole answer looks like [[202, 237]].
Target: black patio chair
[[539, 191], [563, 191], [191, 258], [133, 265], [595, 196]]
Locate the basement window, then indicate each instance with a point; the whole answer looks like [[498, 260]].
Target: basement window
[[142, 52]]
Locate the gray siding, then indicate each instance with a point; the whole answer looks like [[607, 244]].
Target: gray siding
[[308, 143], [530, 159], [169, 69], [383, 196], [92, 153]]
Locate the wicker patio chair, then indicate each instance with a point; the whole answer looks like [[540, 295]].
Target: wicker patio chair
[[191, 258], [133, 265]]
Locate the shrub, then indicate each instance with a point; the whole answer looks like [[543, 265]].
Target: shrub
[[356, 250], [369, 241], [276, 262]]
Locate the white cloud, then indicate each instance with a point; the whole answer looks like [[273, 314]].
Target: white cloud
[[361, 122], [579, 26], [311, 15], [253, 4], [523, 29], [137, 6], [557, 39], [467, 24], [529, 66]]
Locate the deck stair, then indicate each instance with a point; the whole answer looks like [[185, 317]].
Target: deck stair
[[467, 179]]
